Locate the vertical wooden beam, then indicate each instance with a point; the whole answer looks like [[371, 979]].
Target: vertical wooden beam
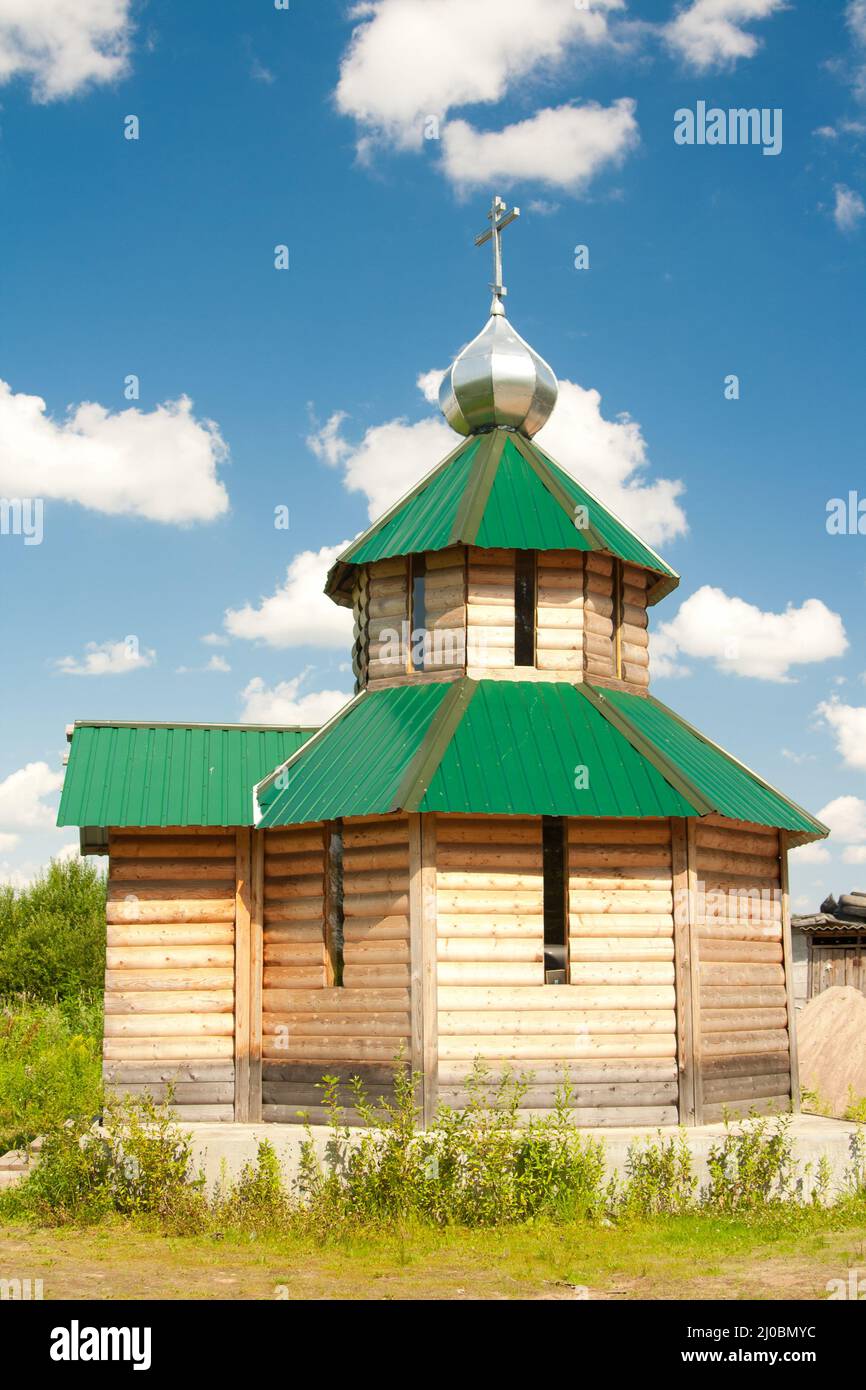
[[242, 974], [788, 957], [695, 969], [683, 970], [257, 918], [422, 949], [429, 982]]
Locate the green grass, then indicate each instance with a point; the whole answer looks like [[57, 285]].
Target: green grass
[[50, 1066]]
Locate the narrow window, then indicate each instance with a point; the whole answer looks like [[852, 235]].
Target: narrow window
[[617, 616], [524, 608], [555, 892], [334, 906], [417, 612]]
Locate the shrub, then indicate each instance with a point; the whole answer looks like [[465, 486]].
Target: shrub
[[752, 1167], [50, 1066], [659, 1178], [136, 1163], [52, 934]]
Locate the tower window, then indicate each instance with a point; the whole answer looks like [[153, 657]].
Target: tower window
[[524, 607], [334, 906], [555, 900], [417, 612]]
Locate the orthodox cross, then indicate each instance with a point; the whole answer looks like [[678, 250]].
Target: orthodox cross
[[499, 218]]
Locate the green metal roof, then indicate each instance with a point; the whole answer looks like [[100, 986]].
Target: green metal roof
[[517, 748], [497, 490], [169, 774]]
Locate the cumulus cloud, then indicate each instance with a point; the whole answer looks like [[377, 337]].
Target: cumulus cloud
[[811, 854], [409, 60], [848, 723], [711, 33], [63, 46], [107, 659], [848, 208], [283, 704], [609, 457], [846, 817], [663, 662], [22, 797], [855, 854], [159, 464], [563, 147], [297, 614], [743, 640], [855, 18]]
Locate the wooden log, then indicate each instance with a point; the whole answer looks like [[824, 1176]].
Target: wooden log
[[743, 996], [305, 840], [713, 974], [578, 1072], [622, 949], [554, 1000], [602, 1096], [206, 1093], [742, 1020], [616, 901], [483, 949], [584, 857], [335, 1000], [747, 1087], [219, 978], [172, 894], [488, 973], [140, 912], [622, 972], [170, 848], [592, 1045], [241, 995], [163, 1049], [557, 1024], [294, 976], [330, 1025], [748, 1064], [374, 1075], [727, 1044], [309, 866], [191, 1001], [735, 1110], [294, 953], [787, 947], [171, 933], [377, 952], [172, 1025], [159, 1073], [377, 976], [625, 924], [167, 957], [328, 1050], [741, 952], [619, 833], [141, 871]]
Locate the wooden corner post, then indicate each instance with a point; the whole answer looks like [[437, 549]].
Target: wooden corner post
[[422, 944], [788, 959], [257, 949], [683, 971], [243, 848]]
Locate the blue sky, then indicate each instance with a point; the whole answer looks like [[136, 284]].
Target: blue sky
[[262, 388]]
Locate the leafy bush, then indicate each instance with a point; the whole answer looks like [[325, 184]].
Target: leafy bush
[[752, 1167], [659, 1178], [52, 934], [50, 1066], [137, 1162]]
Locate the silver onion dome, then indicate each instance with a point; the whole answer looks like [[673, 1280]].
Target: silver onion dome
[[498, 379]]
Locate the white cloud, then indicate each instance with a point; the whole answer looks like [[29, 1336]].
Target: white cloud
[[811, 854], [297, 614], [846, 817], [848, 208], [22, 797], [328, 443], [742, 639], [848, 723], [8, 841], [63, 46], [562, 147], [283, 704], [215, 639], [855, 854], [609, 457], [217, 663], [409, 60], [663, 663], [159, 464], [710, 33], [428, 384], [107, 659]]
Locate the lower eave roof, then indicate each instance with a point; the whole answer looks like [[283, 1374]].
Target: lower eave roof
[[169, 774], [518, 748]]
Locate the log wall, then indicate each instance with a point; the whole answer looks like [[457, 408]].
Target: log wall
[[311, 1027], [559, 627], [621, 953], [490, 610], [445, 594], [387, 600], [743, 1050], [169, 979]]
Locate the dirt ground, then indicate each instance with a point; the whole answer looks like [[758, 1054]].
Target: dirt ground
[[681, 1261]]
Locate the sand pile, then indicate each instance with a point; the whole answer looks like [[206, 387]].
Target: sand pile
[[831, 1035]]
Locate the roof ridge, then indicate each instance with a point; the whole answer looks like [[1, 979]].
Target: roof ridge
[[476, 495], [768, 786], [429, 753], [649, 750]]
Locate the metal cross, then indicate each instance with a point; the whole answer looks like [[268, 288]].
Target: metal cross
[[499, 218]]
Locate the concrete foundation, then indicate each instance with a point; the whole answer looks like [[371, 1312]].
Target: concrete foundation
[[221, 1150]]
